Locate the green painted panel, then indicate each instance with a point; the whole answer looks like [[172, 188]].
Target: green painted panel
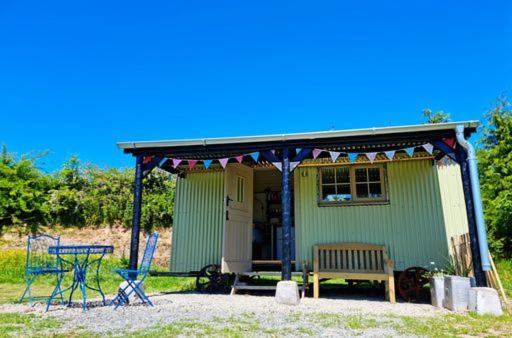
[[411, 225], [452, 196], [198, 221]]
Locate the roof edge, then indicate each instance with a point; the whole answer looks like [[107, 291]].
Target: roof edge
[[472, 124]]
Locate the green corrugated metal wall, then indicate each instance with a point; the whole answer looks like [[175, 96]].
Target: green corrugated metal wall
[[198, 221], [426, 208], [411, 225]]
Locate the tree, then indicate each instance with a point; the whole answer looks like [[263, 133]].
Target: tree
[[433, 118], [495, 168], [23, 192]]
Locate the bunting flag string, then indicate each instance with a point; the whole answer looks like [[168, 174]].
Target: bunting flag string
[[371, 156], [334, 155]]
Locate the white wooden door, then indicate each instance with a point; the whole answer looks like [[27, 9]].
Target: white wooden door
[[237, 243]]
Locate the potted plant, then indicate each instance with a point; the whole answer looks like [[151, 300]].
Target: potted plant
[[436, 285]]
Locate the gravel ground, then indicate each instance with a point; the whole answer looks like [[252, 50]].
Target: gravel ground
[[318, 316]]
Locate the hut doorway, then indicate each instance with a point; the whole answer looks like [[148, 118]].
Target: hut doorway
[[267, 233]]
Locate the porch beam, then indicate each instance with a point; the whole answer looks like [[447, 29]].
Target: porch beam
[[470, 211], [137, 206], [303, 153], [151, 164], [445, 150], [287, 219]]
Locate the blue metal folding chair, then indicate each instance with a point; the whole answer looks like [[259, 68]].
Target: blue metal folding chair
[[41, 263], [133, 285]]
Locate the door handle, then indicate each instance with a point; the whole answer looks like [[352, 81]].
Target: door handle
[[228, 200]]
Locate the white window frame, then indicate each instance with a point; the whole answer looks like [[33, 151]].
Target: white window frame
[[355, 200]]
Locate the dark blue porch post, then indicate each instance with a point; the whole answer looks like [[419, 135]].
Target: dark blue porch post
[[287, 220], [137, 204]]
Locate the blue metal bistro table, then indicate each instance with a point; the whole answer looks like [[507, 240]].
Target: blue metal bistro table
[[82, 257]]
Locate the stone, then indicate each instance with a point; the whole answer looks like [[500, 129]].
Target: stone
[[437, 291], [456, 293], [485, 301], [287, 292], [133, 296]]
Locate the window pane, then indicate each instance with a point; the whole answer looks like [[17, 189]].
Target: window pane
[[362, 190], [343, 175], [361, 175], [374, 174], [327, 175], [328, 193], [375, 190], [344, 193]]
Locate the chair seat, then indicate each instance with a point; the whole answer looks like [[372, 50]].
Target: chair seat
[[44, 271]]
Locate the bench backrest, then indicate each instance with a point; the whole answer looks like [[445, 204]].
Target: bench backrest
[[350, 257]]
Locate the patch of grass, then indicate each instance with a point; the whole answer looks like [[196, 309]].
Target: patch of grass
[[352, 322], [457, 325], [220, 327], [15, 324], [504, 267]]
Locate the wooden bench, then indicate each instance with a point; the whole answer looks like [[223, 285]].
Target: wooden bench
[[353, 261]]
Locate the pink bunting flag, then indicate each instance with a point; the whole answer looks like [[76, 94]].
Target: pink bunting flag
[[334, 155], [223, 162], [371, 156], [175, 163], [316, 152], [191, 164], [239, 158]]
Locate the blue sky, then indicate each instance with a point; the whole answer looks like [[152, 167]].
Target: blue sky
[[76, 77]]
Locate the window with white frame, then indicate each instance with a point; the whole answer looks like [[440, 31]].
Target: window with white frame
[[352, 185]]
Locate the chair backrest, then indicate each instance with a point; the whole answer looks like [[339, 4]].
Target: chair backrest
[[350, 257], [38, 257], [149, 252]]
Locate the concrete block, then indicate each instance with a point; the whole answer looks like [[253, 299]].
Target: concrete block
[[456, 293], [437, 291], [287, 292], [485, 301], [133, 296]]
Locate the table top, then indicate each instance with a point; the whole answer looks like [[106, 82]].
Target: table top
[[84, 249]]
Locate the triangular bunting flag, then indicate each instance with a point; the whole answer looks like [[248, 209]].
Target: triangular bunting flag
[[410, 151], [191, 164], [429, 148], [175, 162], [239, 158], [316, 152], [207, 163], [294, 165], [223, 162], [255, 156], [334, 155], [273, 151], [390, 154], [371, 156], [278, 165], [297, 150], [352, 157]]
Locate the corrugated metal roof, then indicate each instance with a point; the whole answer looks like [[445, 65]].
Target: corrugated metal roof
[[127, 146]]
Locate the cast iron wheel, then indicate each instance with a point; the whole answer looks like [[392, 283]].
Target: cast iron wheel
[[411, 284], [211, 280]]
